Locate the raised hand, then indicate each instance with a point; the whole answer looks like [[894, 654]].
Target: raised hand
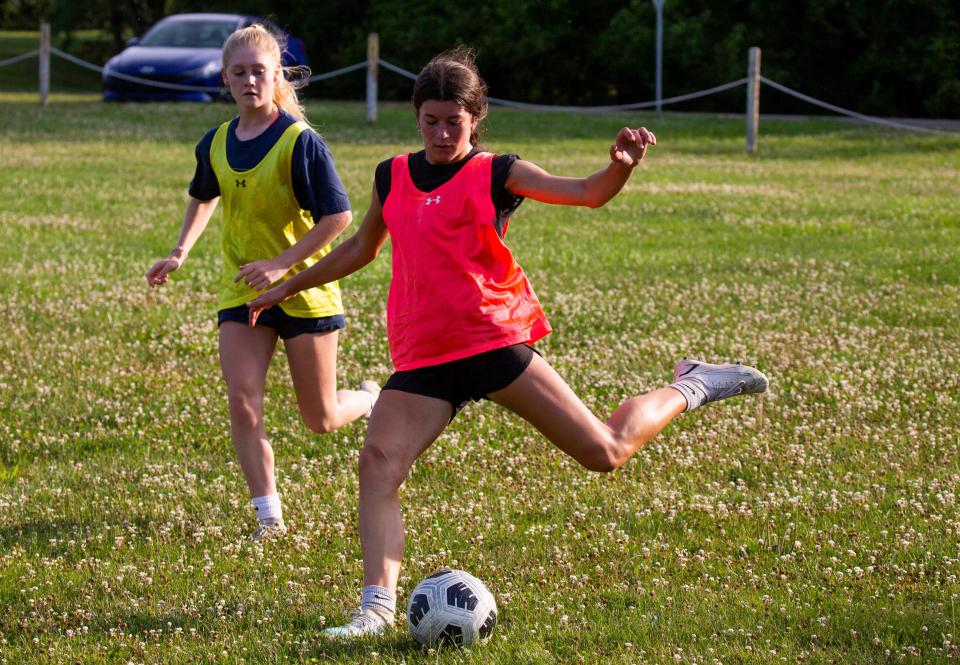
[[631, 146]]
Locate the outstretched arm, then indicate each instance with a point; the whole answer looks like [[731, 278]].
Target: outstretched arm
[[346, 258], [529, 180], [195, 220], [258, 275]]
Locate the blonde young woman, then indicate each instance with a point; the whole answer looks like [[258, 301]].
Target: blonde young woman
[[283, 205]]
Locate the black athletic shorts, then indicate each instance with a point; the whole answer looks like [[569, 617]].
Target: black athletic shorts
[[286, 326], [471, 378]]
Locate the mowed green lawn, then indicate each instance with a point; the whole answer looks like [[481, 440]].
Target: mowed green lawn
[[820, 525]]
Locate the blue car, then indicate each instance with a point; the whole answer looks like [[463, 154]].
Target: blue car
[[181, 52]]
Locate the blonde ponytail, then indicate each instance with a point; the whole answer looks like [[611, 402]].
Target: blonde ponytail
[[285, 91]]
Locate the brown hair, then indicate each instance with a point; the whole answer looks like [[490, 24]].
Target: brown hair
[[452, 76], [285, 91]]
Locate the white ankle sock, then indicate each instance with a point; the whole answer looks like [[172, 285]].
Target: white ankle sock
[[380, 598], [268, 508], [371, 390]]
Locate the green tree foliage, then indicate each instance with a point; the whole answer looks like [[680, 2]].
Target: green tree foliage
[[115, 17], [886, 57]]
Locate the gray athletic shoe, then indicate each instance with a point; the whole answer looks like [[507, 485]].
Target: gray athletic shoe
[[701, 383], [365, 622], [372, 388]]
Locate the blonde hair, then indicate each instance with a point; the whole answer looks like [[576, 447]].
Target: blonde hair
[[285, 91]]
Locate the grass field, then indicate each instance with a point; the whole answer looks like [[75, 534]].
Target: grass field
[[821, 525]]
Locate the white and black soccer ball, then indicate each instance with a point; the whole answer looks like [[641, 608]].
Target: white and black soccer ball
[[451, 606]]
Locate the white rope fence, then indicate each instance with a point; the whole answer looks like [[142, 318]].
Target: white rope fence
[[617, 107], [391, 67], [751, 81], [161, 84], [854, 114], [18, 58], [397, 70], [337, 72], [508, 103]]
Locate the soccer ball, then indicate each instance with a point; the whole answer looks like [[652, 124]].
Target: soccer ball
[[451, 606]]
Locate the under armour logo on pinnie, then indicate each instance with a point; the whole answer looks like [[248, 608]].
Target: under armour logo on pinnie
[[435, 199], [242, 183]]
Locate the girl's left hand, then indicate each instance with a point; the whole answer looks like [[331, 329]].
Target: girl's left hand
[[266, 300], [631, 146], [260, 274]]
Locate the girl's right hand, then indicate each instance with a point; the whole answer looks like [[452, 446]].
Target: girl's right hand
[[266, 300], [161, 269]]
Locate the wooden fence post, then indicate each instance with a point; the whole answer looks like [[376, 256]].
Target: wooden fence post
[[44, 63], [753, 100], [373, 59]]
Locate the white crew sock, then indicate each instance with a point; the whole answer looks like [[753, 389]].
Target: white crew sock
[[372, 390], [380, 598], [269, 510]]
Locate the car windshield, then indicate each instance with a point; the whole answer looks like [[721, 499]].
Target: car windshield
[[195, 34]]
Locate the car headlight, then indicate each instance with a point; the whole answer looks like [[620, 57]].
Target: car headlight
[[206, 71]]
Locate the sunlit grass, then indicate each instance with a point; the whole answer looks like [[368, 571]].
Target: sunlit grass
[[820, 526]]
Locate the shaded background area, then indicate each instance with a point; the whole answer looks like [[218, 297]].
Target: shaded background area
[[887, 57]]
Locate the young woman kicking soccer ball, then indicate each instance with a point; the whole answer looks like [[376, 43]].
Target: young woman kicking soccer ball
[[283, 205], [461, 314]]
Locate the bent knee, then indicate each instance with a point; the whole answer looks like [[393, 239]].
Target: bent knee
[[605, 457], [601, 464], [379, 470], [319, 423]]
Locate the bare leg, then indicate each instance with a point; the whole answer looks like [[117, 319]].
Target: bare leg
[[541, 397], [244, 358], [402, 426], [313, 367]]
